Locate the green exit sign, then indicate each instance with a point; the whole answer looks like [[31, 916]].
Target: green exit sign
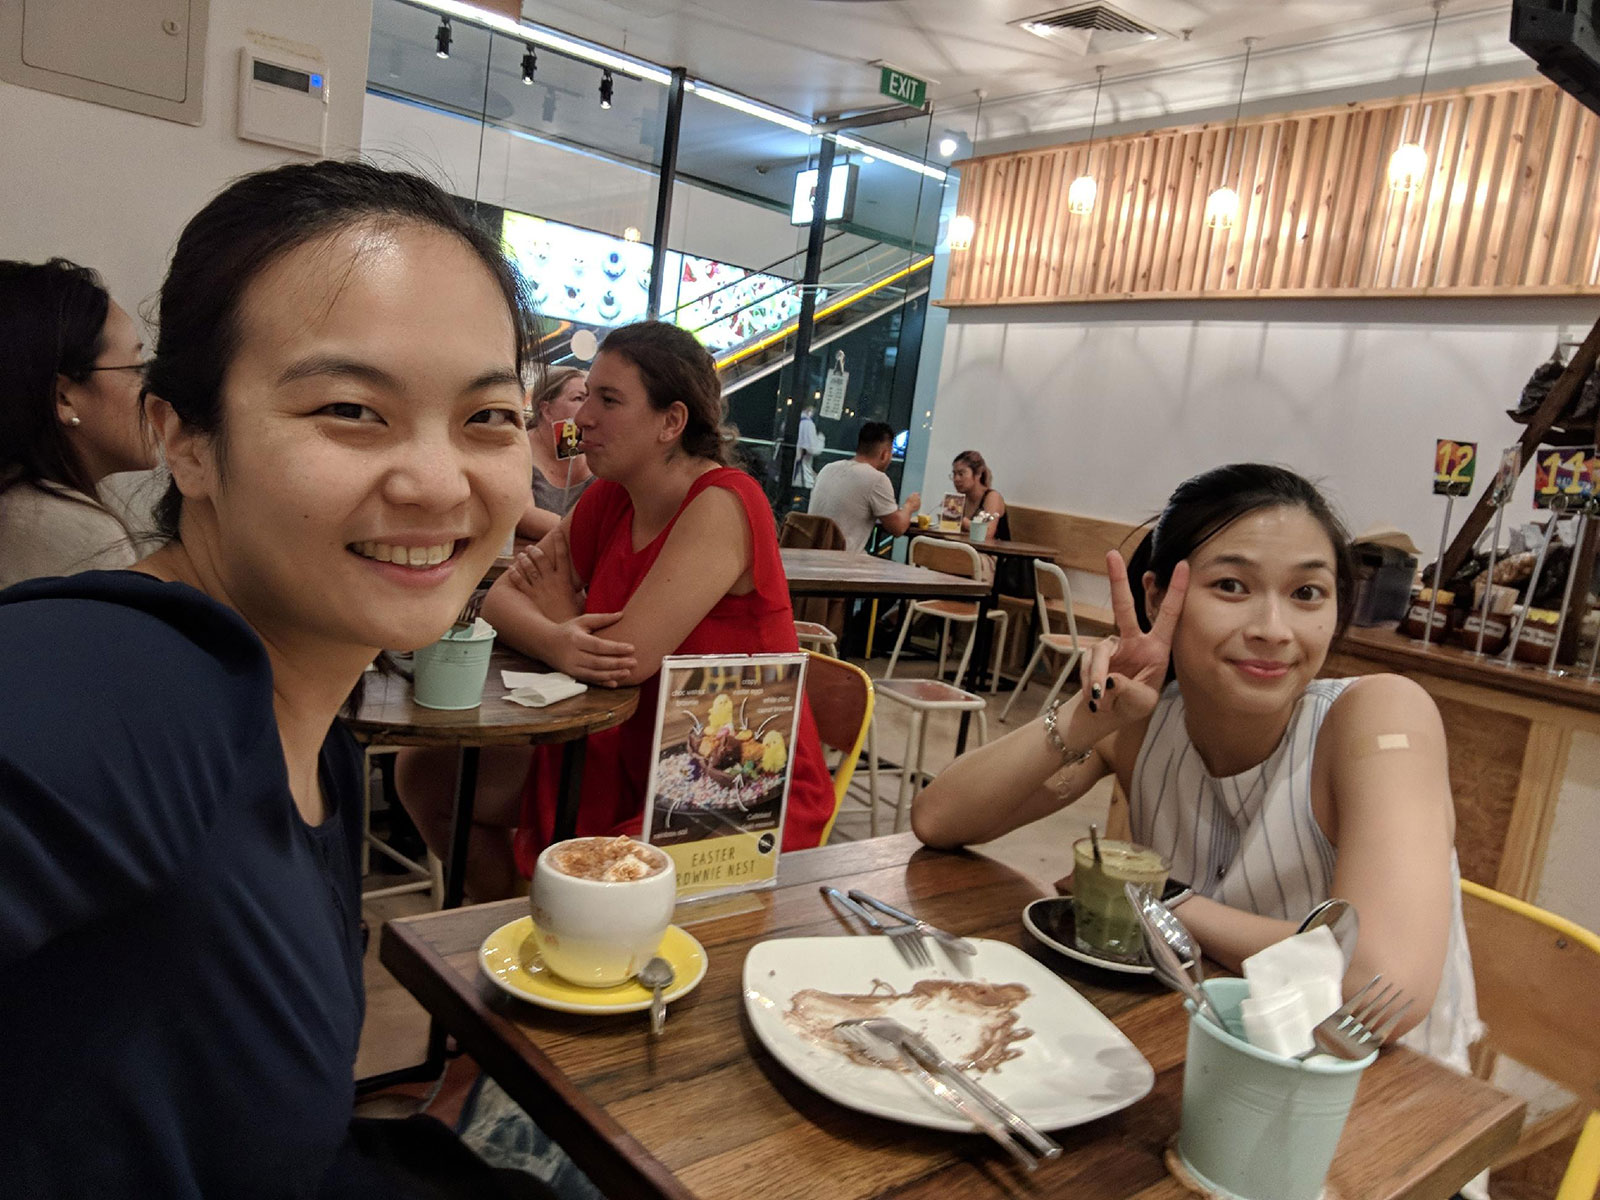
[[908, 89]]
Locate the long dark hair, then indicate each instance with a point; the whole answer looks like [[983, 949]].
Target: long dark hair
[[249, 226], [973, 461], [52, 322], [1202, 507], [676, 367]]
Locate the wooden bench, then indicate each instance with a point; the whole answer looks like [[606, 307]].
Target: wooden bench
[[1082, 543]]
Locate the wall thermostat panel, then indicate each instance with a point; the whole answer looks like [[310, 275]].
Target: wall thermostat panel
[[283, 100]]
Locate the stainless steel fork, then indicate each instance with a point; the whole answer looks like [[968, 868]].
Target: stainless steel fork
[[907, 939], [1361, 1025]]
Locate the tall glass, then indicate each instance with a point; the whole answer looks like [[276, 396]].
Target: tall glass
[[1104, 921]]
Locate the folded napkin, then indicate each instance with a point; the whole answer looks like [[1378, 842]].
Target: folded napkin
[[476, 632], [1294, 984], [534, 689]]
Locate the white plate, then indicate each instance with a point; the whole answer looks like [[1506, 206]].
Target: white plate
[[1076, 1067]]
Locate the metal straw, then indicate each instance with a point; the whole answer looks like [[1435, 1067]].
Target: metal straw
[[1094, 843]]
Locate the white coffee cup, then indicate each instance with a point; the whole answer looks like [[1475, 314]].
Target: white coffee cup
[[596, 933]]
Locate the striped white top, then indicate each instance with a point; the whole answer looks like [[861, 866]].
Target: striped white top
[[1250, 841]]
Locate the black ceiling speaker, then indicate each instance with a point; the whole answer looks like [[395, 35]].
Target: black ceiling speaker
[[1559, 35]]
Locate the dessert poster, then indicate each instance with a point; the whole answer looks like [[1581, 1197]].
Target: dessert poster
[[950, 510], [720, 767]]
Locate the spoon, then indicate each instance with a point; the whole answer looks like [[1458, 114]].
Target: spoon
[[658, 975], [1169, 946], [1339, 916]]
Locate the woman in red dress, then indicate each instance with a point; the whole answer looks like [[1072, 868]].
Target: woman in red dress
[[671, 551]]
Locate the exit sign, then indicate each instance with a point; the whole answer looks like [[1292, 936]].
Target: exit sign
[[908, 89]]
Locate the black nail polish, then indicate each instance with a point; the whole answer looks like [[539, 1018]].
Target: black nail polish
[[1092, 707], [1094, 692], [1110, 683]]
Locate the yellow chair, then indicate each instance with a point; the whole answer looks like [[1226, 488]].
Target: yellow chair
[[1538, 979], [841, 702]]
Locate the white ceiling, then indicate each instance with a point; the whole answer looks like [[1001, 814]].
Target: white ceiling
[[812, 56]]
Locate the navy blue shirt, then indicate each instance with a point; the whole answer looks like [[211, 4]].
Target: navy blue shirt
[[180, 967]]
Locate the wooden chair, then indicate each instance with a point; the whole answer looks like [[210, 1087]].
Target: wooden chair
[[812, 532], [1051, 593], [840, 694], [953, 558], [1538, 979]]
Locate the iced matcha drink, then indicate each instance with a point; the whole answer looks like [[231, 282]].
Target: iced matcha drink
[[1104, 919]]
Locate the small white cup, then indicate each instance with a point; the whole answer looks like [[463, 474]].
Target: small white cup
[[598, 934]]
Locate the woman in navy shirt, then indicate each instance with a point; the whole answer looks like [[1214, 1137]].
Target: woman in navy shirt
[[336, 390]]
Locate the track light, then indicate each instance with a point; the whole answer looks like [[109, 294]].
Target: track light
[[948, 145], [605, 89], [442, 38], [530, 64]]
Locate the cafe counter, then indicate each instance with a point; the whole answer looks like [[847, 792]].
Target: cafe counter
[[1524, 764]]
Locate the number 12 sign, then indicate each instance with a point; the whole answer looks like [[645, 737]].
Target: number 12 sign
[[1454, 464]]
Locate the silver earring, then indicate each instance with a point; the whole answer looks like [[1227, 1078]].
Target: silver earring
[[74, 421]]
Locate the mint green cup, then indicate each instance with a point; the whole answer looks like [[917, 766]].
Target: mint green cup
[[979, 531], [1258, 1126], [450, 674]]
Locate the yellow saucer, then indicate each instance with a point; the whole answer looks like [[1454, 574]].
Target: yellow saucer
[[510, 957]]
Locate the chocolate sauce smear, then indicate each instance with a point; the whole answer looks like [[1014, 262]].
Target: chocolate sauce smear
[[973, 1023]]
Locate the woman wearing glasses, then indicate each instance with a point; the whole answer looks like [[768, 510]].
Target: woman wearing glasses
[[69, 417]]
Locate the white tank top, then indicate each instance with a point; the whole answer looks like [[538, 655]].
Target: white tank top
[[1250, 841]]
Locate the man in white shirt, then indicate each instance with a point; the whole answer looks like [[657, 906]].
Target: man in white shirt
[[855, 492], [809, 443]]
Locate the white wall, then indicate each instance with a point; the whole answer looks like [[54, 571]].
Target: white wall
[[563, 184], [1100, 409], [112, 189]]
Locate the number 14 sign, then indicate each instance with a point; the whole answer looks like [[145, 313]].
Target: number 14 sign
[[1454, 464]]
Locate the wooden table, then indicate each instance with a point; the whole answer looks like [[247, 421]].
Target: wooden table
[[849, 573], [706, 1112]]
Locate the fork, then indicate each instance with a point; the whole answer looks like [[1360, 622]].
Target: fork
[[1354, 1031], [906, 938], [887, 1054], [469, 612]]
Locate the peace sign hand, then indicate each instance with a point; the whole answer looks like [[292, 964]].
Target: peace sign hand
[[1122, 676]]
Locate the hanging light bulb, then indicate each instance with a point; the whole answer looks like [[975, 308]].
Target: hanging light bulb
[[949, 144], [631, 234], [1083, 190], [1222, 206], [606, 87], [962, 227], [530, 63], [441, 39], [1408, 165]]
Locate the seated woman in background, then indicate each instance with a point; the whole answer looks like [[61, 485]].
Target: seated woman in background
[[69, 417], [672, 552], [970, 476], [557, 482], [1267, 788], [336, 380]]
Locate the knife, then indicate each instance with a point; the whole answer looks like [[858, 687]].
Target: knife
[[943, 936], [879, 1049], [927, 1054]]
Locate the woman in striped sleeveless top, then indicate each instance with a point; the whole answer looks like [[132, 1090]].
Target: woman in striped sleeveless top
[[1269, 789]]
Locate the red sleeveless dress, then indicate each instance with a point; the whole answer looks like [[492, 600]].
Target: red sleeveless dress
[[617, 767]]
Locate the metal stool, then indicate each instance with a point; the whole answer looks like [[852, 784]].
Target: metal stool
[[922, 697], [818, 637]]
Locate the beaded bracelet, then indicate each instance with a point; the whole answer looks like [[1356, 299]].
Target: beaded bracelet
[[1069, 758]]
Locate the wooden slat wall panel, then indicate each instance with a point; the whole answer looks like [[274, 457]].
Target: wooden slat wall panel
[[1510, 203]]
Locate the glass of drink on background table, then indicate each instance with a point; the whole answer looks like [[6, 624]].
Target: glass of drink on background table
[[1103, 919]]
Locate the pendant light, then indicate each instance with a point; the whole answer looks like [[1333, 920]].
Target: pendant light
[[1080, 196], [1408, 165], [1222, 206], [962, 226]]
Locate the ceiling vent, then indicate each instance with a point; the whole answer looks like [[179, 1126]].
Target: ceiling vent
[[1091, 28]]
